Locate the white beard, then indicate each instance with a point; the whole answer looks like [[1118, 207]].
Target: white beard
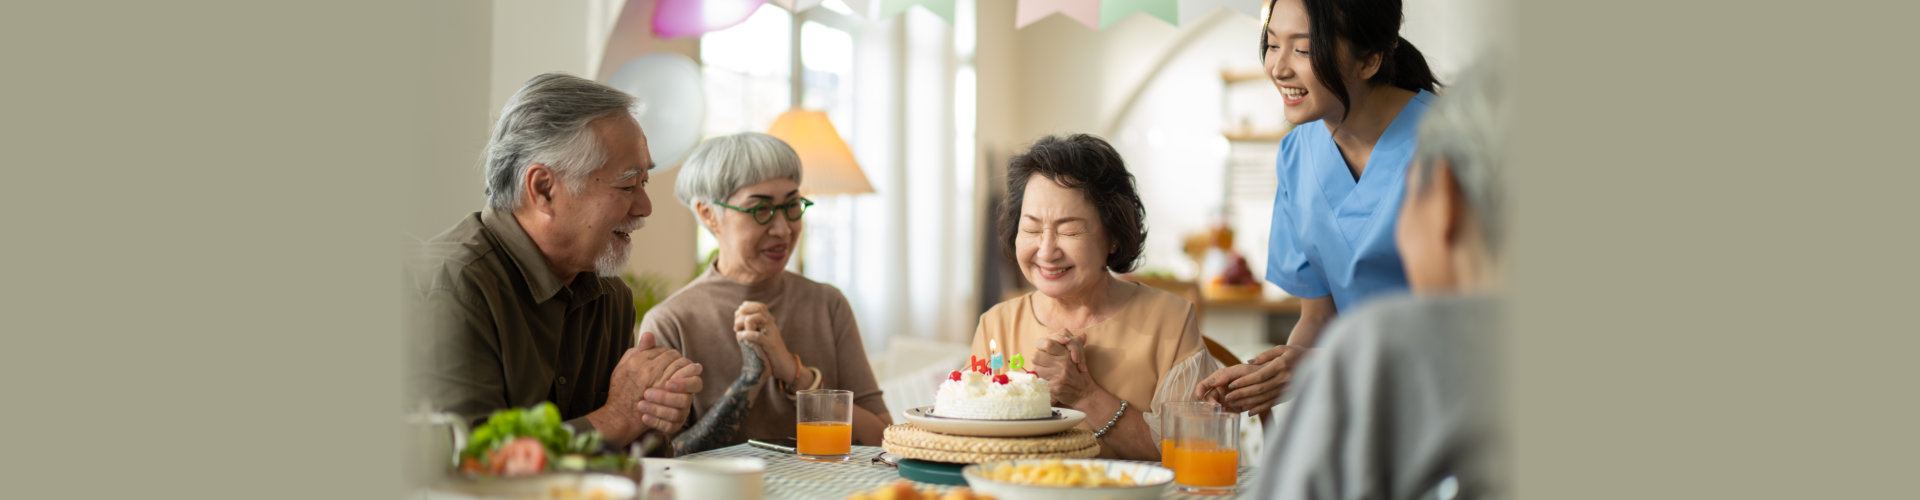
[[613, 261]]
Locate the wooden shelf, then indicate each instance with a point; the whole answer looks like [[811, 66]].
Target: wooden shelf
[[1289, 305], [1192, 291], [1254, 135], [1244, 75]]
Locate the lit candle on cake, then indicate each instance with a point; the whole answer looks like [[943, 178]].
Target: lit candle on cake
[[994, 346]]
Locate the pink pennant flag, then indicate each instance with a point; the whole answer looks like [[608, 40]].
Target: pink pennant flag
[[1087, 12]]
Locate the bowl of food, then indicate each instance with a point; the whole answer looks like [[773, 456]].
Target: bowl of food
[[1074, 479], [545, 486], [534, 441], [908, 490]]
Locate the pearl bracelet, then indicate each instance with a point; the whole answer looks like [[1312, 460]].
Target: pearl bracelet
[[1116, 418]]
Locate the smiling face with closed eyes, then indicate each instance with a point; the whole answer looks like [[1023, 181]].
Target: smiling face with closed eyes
[[1061, 248]]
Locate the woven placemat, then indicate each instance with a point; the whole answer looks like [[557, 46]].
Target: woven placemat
[[908, 441], [1074, 439], [959, 457]]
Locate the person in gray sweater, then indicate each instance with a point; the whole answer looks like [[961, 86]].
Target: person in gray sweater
[[1399, 405]]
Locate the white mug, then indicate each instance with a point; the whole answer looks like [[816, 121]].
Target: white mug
[[739, 477]]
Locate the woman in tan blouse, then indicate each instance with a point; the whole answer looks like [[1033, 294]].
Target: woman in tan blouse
[[747, 320], [1113, 349]]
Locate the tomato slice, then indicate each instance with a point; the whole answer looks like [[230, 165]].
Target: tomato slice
[[520, 457]]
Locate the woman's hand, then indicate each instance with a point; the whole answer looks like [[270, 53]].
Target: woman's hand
[[1060, 359], [753, 323], [1255, 386]]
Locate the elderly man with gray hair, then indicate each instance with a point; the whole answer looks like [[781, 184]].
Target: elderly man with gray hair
[[1399, 408], [521, 303]]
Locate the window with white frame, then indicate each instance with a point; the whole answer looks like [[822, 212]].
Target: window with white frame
[[772, 62]]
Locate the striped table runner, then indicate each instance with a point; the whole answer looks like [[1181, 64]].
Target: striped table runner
[[789, 477]]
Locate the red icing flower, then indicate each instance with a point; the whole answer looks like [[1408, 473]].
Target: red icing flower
[[955, 376], [1001, 379]]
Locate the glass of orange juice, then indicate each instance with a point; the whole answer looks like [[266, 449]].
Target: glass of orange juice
[[825, 429], [1167, 413], [1207, 452]]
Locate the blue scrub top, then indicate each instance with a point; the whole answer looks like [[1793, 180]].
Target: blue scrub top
[[1333, 235]]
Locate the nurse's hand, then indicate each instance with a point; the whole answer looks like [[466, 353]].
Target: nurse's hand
[[1253, 387]]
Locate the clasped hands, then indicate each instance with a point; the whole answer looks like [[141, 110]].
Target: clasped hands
[[651, 391], [1255, 386], [1060, 359], [754, 323]]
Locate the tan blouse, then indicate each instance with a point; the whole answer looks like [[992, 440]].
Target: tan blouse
[[1148, 354], [815, 320]]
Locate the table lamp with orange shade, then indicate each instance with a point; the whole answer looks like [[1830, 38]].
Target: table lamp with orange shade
[[826, 163]]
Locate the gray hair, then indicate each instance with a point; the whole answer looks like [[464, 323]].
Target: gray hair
[[722, 165], [1467, 127], [547, 122]]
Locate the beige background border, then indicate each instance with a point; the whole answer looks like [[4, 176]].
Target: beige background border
[[203, 248], [1715, 230]]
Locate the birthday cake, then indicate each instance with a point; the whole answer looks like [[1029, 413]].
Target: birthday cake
[[979, 393]]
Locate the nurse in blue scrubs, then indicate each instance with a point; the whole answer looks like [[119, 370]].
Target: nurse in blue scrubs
[[1355, 91]]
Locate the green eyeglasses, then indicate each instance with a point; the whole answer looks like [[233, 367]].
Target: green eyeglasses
[[762, 212]]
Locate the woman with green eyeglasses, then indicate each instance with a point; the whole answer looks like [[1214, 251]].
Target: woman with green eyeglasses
[[749, 321]]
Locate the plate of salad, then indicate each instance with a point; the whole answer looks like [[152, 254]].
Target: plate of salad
[[532, 441]]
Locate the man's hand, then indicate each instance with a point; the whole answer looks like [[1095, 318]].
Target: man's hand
[[665, 405], [1253, 387], [1059, 358], [754, 323], [639, 369]]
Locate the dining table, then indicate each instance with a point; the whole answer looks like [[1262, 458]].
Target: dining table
[[788, 477]]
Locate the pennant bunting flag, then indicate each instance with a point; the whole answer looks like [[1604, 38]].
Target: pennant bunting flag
[[942, 8], [1192, 10], [683, 18], [1087, 12], [1112, 11]]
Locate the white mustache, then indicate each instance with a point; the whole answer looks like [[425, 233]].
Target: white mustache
[[633, 226]]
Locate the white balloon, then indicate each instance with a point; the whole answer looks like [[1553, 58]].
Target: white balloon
[[669, 103]]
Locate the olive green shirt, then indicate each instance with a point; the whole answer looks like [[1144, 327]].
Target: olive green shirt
[[497, 329]]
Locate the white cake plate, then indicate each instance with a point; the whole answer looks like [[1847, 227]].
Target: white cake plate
[[1062, 419]]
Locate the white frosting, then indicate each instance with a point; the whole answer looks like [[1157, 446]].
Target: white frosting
[[976, 396]]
